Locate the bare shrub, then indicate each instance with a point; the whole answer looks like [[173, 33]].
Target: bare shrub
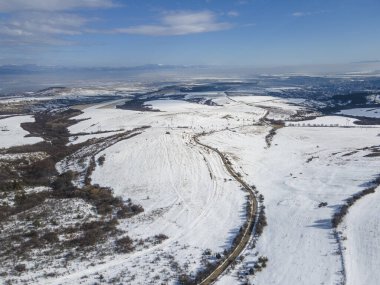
[[101, 160], [124, 244], [50, 237], [20, 267]]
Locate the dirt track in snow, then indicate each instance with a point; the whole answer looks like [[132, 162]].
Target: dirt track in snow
[[249, 226]]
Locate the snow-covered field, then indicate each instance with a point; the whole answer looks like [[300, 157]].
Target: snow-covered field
[[298, 240], [362, 112], [188, 195], [183, 192], [328, 121], [184, 189], [11, 133], [361, 228], [304, 167]]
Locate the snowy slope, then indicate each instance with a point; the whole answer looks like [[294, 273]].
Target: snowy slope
[[362, 228], [304, 166], [184, 189], [188, 196], [11, 133]]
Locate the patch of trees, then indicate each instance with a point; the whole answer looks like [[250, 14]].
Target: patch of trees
[[137, 105], [85, 236], [39, 172], [202, 274], [17, 174], [261, 222], [363, 121], [22, 202], [93, 233], [101, 197], [54, 125], [259, 265], [9, 185], [276, 125], [343, 210], [53, 128]]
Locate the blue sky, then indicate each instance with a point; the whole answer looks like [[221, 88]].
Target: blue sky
[[192, 32]]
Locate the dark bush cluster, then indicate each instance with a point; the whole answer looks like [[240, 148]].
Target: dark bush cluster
[[184, 279], [93, 233], [342, 212], [39, 172], [259, 265], [160, 238], [50, 237], [124, 244], [9, 185], [15, 175], [101, 160], [20, 267], [63, 182], [23, 202], [262, 222], [101, 197], [53, 124]]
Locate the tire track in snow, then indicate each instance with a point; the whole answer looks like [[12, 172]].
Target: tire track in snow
[[214, 195]]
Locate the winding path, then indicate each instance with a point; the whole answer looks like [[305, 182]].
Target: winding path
[[249, 225]]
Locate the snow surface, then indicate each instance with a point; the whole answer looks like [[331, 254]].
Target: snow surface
[[184, 189], [362, 229], [162, 170], [304, 166], [11, 133], [331, 121], [362, 112], [188, 195]]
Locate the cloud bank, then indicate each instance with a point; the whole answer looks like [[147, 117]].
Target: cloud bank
[[52, 5], [55, 22], [179, 23]]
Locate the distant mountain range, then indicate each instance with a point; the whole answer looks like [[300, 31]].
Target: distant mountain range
[[354, 68], [32, 68]]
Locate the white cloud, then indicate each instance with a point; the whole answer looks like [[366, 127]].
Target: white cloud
[[300, 14], [179, 23], [44, 21], [54, 26], [303, 14], [233, 13], [39, 27], [52, 5]]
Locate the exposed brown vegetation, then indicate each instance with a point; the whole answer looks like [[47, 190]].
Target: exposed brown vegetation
[[124, 244], [276, 125], [29, 207], [343, 210]]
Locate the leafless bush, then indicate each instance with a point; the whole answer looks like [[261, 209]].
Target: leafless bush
[[20, 267], [101, 160], [124, 244]]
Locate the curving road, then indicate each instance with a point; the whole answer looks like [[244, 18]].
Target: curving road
[[248, 227]]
